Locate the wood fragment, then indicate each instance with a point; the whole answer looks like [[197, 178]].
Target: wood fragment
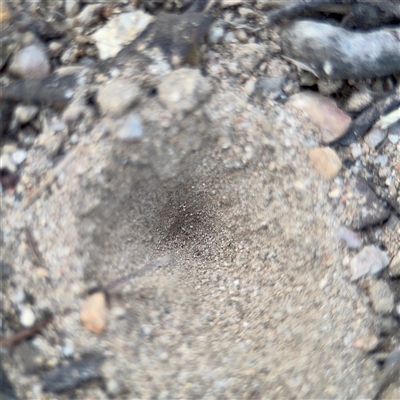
[[331, 52], [360, 126], [34, 247], [26, 333], [152, 265]]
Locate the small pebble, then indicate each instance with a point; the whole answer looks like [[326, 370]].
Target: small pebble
[[356, 150], [323, 112], [5, 13], [374, 138], [367, 343], [352, 239], [370, 260], [72, 8], [94, 312], [393, 138], [19, 157], [24, 114], [130, 128], [241, 36], [118, 96], [381, 296], [18, 296], [183, 90], [215, 35], [113, 387], [27, 317], [325, 161], [30, 62], [68, 349]]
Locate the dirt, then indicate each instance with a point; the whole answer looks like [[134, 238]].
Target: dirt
[[257, 302]]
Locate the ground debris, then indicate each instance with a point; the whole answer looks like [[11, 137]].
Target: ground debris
[[72, 375]]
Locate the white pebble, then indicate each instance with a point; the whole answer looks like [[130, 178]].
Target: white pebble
[[113, 387], [68, 349], [18, 296], [216, 34], [356, 150], [131, 128], [19, 157], [27, 317], [393, 138]]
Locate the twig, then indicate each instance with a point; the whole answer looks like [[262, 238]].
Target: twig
[[33, 246], [152, 265], [360, 126], [26, 333]]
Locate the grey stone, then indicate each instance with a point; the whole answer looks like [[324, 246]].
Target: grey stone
[[71, 375], [370, 260], [363, 208], [30, 62], [374, 137], [29, 357], [118, 96], [129, 128], [381, 297], [183, 90]]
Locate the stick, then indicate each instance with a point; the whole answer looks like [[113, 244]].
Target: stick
[[26, 333], [152, 265]]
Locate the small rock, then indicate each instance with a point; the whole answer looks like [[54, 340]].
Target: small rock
[[358, 101], [90, 15], [374, 138], [381, 297], [68, 349], [19, 157], [129, 128], [370, 260], [352, 239], [7, 164], [118, 96], [323, 112], [113, 387], [230, 38], [120, 30], [250, 86], [94, 312], [183, 90], [30, 62], [72, 375], [72, 7], [325, 161], [18, 296], [216, 34], [387, 326], [30, 357], [393, 138], [367, 343], [231, 3], [394, 267], [363, 208], [327, 87], [26, 317], [356, 150], [269, 87], [24, 114], [241, 35]]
